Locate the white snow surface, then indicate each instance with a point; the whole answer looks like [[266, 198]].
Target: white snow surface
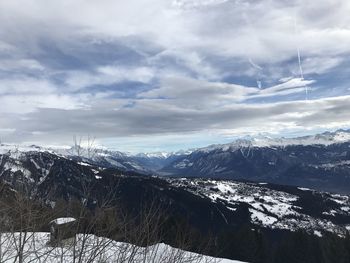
[[93, 249], [161, 155], [304, 189], [317, 233], [63, 220], [262, 218]]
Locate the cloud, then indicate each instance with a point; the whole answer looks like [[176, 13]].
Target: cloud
[[107, 75], [192, 93], [154, 118], [155, 67], [263, 30], [320, 65]]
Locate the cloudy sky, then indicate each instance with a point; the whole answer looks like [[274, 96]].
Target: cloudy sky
[[149, 75]]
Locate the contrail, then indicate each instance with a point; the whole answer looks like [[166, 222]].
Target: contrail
[[299, 57], [259, 69], [251, 62]]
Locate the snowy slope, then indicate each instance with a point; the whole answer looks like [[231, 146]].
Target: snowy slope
[[99, 156], [273, 208], [320, 161], [95, 249]]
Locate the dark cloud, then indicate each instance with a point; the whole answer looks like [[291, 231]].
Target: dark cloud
[[146, 119]]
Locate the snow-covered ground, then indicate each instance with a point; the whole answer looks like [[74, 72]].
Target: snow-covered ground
[[90, 248], [269, 208]]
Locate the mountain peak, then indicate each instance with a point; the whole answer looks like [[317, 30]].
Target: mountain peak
[[325, 138]]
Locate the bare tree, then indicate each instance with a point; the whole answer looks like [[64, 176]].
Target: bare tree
[[77, 145], [96, 234], [91, 146], [107, 232]]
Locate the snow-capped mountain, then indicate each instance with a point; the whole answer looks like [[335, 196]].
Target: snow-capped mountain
[[160, 155], [146, 163], [326, 138], [320, 161], [157, 160], [317, 161], [97, 156]]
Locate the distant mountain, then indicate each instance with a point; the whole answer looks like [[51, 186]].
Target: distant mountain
[[146, 163], [325, 138], [320, 161], [317, 161], [93, 156], [156, 161]]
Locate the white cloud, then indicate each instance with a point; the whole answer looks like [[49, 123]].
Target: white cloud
[[25, 85], [156, 118], [107, 75], [320, 65], [263, 30], [20, 64], [190, 53], [192, 93], [23, 104]]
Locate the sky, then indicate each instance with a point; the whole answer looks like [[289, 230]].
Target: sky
[[164, 75]]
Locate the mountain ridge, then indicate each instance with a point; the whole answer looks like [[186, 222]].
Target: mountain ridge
[[320, 161], [325, 138]]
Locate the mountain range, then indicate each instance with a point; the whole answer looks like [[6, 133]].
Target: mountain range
[[319, 161], [238, 195]]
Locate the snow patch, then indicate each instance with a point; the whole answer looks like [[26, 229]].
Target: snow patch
[[63, 220], [262, 218], [317, 233], [304, 189]]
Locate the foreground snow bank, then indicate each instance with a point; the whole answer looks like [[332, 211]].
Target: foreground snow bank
[[33, 247]]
